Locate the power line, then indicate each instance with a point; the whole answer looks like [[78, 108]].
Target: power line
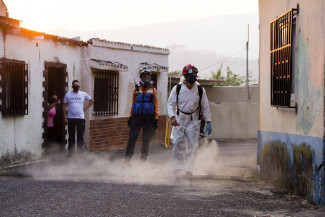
[[222, 60], [233, 62]]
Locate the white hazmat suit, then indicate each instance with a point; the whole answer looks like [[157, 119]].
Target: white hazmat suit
[[186, 141]]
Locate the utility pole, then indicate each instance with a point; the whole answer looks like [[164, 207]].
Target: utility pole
[[247, 84]]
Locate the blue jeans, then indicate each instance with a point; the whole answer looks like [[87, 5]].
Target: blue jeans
[[72, 124]]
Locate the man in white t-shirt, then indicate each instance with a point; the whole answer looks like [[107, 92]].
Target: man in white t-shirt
[[75, 118]]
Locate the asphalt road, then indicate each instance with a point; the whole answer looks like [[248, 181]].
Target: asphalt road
[[99, 184]]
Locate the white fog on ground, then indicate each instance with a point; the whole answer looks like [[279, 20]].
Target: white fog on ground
[[158, 169]]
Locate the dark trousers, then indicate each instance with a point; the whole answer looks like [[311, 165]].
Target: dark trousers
[[144, 121], [50, 140], [50, 135], [72, 125]]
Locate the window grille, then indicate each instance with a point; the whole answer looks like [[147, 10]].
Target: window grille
[[281, 59], [106, 93], [14, 85]]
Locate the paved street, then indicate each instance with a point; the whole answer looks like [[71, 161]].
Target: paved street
[[99, 184]]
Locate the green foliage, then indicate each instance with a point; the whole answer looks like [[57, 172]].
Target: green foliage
[[231, 79], [175, 73]]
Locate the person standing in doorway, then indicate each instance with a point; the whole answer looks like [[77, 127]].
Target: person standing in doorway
[[144, 114], [51, 113], [190, 99], [75, 118]]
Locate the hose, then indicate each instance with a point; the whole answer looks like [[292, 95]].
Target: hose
[[167, 132]]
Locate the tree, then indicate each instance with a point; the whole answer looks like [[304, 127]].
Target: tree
[[231, 79]]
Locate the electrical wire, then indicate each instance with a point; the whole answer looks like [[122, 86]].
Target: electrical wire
[[222, 60], [233, 62]]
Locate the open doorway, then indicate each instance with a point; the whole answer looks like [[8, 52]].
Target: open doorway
[[55, 80], [154, 77]]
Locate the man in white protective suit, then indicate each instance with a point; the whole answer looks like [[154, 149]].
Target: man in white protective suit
[[190, 99]]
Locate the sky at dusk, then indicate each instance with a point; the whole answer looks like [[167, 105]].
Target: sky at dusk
[[207, 31], [85, 15]]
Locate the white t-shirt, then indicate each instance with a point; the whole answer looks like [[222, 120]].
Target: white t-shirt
[[75, 103]]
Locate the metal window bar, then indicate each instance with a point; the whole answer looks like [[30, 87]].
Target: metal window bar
[[281, 59], [14, 87], [106, 93]]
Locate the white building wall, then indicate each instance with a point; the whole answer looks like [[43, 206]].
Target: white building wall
[[132, 58], [25, 132]]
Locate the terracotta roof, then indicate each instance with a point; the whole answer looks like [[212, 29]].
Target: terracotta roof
[[13, 24], [54, 37], [10, 21]]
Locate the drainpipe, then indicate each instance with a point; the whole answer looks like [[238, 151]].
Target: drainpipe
[[247, 84]]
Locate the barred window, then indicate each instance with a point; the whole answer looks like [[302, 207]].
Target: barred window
[[106, 93], [281, 30], [14, 87]]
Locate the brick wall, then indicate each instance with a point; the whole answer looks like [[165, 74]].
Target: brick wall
[[113, 133]]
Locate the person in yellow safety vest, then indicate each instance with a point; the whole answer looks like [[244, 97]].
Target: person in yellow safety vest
[[190, 99], [144, 114]]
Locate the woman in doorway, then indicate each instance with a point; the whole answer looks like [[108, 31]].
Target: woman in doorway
[[51, 108]]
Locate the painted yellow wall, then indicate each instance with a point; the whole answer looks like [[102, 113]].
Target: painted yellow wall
[[309, 77]]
